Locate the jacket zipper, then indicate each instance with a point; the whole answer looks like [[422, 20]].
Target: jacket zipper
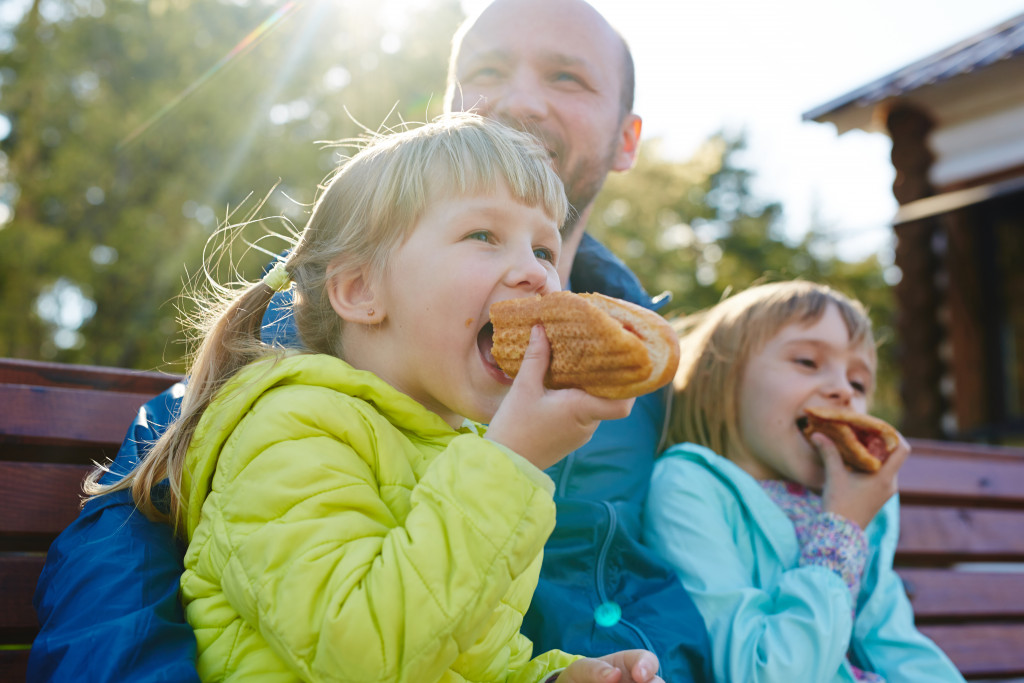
[[613, 522]]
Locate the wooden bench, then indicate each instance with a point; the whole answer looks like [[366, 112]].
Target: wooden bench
[[963, 504], [55, 421], [961, 552]]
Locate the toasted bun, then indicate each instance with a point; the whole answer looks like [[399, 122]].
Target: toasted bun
[[607, 347], [865, 442]]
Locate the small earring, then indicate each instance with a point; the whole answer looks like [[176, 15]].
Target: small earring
[[370, 312]]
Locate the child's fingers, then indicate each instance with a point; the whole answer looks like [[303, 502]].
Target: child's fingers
[[589, 670], [537, 356], [642, 665], [896, 459], [606, 408], [829, 453]]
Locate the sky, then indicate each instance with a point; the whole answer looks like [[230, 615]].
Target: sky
[[758, 65]]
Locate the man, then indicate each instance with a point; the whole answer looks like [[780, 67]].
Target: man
[[107, 598]]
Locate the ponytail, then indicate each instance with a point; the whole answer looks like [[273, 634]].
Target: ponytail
[[231, 341]]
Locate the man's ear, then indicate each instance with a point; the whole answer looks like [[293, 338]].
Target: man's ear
[[354, 298], [629, 143]]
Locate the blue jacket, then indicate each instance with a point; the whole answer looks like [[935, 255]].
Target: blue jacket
[[771, 619], [107, 597]]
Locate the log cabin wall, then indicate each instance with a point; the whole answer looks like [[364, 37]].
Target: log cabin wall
[[919, 295]]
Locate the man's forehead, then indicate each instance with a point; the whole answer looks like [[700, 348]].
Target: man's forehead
[[571, 30], [554, 55], [536, 39]]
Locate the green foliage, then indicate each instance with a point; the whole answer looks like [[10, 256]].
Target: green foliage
[[137, 126], [695, 229]]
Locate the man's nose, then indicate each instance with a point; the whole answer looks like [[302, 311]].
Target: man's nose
[[519, 98]]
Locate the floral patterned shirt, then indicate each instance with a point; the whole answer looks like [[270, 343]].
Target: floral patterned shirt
[[826, 540]]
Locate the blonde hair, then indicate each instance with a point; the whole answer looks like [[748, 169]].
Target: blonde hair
[[716, 345], [366, 209]]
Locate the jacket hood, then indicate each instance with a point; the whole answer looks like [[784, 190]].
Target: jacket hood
[[234, 401]]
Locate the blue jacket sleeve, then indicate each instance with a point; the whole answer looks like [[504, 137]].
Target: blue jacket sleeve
[[107, 598]]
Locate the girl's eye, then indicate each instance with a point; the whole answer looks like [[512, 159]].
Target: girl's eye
[[859, 387], [479, 235], [806, 362], [544, 254]]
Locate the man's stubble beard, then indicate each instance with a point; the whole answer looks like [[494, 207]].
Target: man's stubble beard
[[582, 184]]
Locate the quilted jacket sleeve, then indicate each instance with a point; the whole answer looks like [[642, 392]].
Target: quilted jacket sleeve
[[352, 568]]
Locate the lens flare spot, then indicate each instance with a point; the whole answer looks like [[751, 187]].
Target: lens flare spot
[[607, 614]]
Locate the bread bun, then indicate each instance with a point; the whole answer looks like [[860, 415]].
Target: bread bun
[[863, 441], [605, 346]]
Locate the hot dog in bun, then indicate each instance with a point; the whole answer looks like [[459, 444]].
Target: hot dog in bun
[[863, 441], [605, 346]]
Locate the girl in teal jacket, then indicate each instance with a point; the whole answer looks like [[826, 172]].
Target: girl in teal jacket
[[348, 517], [787, 552]]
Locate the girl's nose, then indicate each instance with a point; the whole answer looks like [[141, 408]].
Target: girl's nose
[[529, 273], [838, 389]]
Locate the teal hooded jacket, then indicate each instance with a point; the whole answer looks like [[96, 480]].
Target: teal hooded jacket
[[771, 620]]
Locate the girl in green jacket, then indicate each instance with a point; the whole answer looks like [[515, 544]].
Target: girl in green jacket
[[348, 517]]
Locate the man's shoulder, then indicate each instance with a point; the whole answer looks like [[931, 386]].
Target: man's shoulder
[[596, 269]]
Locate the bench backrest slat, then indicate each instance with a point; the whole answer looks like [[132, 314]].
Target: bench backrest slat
[[18, 576], [91, 417], [943, 595], [982, 650], [39, 498], [959, 534], [42, 374], [984, 476]]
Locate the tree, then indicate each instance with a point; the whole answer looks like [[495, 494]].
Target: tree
[[135, 126]]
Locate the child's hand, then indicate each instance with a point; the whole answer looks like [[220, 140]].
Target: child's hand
[[857, 496], [544, 425], [626, 666]]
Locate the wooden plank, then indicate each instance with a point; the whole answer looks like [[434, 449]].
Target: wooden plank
[[13, 665], [18, 576], [38, 498], [960, 534], [931, 447], [947, 594], [982, 650], [57, 415], [991, 480], [40, 373]]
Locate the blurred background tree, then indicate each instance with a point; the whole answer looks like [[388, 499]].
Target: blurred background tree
[[136, 127]]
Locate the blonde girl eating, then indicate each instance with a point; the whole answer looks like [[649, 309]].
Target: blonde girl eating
[[348, 516]]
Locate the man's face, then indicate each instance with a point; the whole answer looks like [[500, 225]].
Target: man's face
[[553, 68]]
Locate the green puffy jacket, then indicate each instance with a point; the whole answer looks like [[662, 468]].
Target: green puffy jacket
[[340, 531]]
